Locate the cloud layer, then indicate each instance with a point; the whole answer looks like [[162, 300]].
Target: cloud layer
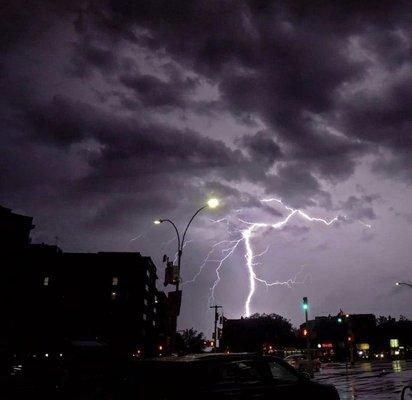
[[113, 112]]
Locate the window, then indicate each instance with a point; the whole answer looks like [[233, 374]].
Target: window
[[146, 287], [240, 371], [145, 302], [155, 299], [154, 310], [144, 317], [154, 323], [148, 273], [113, 296], [282, 373], [115, 281], [46, 281]]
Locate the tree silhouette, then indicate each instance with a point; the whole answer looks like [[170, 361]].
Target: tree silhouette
[[190, 341]]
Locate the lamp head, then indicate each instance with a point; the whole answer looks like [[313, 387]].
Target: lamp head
[[158, 221], [213, 203]]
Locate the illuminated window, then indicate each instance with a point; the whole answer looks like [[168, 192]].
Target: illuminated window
[[144, 317], [113, 295], [145, 302], [154, 310], [46, 281], [115, 281], [146, 287], [155, 299], [154, 323]]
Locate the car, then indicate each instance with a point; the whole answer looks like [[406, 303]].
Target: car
[[303, 364], [220, 377]]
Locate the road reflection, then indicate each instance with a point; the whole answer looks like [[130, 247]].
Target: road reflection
[[368, 380]]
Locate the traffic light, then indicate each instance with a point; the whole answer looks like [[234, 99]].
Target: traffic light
[[305, 304], [339, 320]]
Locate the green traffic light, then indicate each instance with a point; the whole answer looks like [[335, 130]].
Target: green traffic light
[[305, 304]]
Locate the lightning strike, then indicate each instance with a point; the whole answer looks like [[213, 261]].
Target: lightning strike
[[245, 235], [136, 238]]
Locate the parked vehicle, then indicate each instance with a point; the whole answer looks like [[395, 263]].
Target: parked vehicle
[[221, 376], [303, 364]]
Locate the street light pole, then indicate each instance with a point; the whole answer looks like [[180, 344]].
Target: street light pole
[[176, 298], [179, 244]]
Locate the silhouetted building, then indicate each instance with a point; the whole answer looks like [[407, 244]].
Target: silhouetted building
[[50, 298], [342, 336], [14, 231]]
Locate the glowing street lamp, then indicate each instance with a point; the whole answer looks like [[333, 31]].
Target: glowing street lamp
[[213, 203], [403, 284]]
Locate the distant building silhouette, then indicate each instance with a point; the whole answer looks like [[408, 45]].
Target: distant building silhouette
[[340, 335], [14, 231]]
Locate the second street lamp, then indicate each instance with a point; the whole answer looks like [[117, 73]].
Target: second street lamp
[[403, 284]]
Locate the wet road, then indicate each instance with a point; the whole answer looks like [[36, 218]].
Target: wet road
[[368, 380]]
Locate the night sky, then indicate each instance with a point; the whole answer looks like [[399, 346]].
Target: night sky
[[116, 113]]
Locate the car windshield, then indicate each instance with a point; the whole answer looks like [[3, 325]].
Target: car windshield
[[282, 373]]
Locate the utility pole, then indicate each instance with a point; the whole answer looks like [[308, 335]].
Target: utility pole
[[216, 307]]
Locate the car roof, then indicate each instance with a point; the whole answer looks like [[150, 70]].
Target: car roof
[[190, 358]]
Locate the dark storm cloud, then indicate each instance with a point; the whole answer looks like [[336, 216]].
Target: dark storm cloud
[[154, 92], [60, 121], [262, 147], [129, 146], [286, 63], [281, 62], [295, 183], [87, 58], [288, 66], [360, 207]]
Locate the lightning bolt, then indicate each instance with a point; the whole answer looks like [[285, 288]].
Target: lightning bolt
[[245, 235], [136, 237], [248, 234]]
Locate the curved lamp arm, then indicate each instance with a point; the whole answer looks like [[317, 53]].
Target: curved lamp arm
[[190, 221], [403, 283], [177, 232]]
